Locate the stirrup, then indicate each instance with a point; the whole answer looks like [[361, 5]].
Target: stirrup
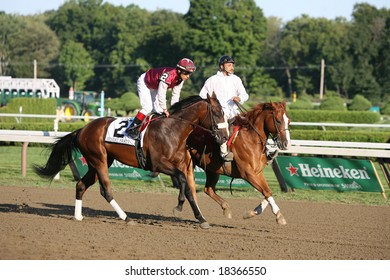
[[133, 132]]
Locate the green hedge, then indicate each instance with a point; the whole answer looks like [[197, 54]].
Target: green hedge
[[37, 106], [334, 116], [337, 135], [43, 126]]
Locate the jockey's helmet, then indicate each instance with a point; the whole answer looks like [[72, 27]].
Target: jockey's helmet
[[186, 65]]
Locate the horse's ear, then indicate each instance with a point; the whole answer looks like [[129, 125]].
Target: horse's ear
[[214, 95]]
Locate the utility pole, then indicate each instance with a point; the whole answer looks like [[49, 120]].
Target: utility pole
[[322, 79]]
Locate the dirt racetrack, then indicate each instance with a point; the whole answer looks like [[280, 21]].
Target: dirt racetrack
[[36, 223]]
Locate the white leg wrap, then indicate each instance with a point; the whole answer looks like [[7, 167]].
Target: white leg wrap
[[260, 209], [264, 204], [118, 209], [275, 208], [77, 210]]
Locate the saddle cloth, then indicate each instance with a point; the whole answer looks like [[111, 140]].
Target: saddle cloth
[[116, 132]]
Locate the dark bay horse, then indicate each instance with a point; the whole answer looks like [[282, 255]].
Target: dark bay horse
[[248, 146], [164, 147]]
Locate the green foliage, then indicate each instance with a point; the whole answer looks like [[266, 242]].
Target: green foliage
[[360, 103], [301, 104], [225, 27], [38, 106], [130, 102], [386, 109], [77, 64], [333, 116], [337, 135], [23, 40], [332, 102]]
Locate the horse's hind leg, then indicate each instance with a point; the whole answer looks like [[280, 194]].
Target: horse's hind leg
[[81, 187], [191, 185], [209, 189]]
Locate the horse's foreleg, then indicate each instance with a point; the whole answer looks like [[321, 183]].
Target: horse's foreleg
[[186, 190], [211, 181], [195, 208], [181, 197], [268, 199], [106, 192], [275, 209]]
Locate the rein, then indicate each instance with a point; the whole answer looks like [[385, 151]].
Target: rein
[[213, 122], [243, 110]]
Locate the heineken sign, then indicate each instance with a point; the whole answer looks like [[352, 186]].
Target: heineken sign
[[120, 171], [329, 174]]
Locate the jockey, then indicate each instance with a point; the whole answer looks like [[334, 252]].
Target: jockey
[[152, 90], [228, 88]]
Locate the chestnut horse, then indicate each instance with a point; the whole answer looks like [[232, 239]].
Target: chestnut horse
[[164, 148], [248, 144]]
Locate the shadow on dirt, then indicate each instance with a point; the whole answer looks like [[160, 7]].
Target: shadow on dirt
[[67, 212]]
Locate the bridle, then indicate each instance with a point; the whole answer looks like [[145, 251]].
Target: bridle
[[276, 138], [216, 127]]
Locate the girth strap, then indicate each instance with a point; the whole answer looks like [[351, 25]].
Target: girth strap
[[140, 154]]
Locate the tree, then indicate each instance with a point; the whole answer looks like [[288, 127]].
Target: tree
[[23, 40], [367, 35], [220, 27], [77, 64], [304, 43]]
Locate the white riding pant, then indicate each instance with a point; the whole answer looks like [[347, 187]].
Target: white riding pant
[[147, 97]]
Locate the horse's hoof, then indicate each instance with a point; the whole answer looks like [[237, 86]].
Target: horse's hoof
[[205, 225], [227, 213], [280, 219], [250, 214], [130, 222], [78, 219], [177, 212]]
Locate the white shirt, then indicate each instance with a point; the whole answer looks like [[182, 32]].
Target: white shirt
[[225, 88]]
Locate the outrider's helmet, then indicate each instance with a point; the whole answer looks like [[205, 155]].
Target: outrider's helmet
[[186, 65], [225, 59]]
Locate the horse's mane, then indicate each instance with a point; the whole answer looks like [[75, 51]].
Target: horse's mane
[[184, 103], [246, 118]]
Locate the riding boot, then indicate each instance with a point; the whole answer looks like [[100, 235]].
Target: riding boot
[[133, 130], [228, 157], [225, 153], [271, 155]]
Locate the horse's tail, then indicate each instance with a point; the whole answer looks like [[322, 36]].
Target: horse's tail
[[59, 158]]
